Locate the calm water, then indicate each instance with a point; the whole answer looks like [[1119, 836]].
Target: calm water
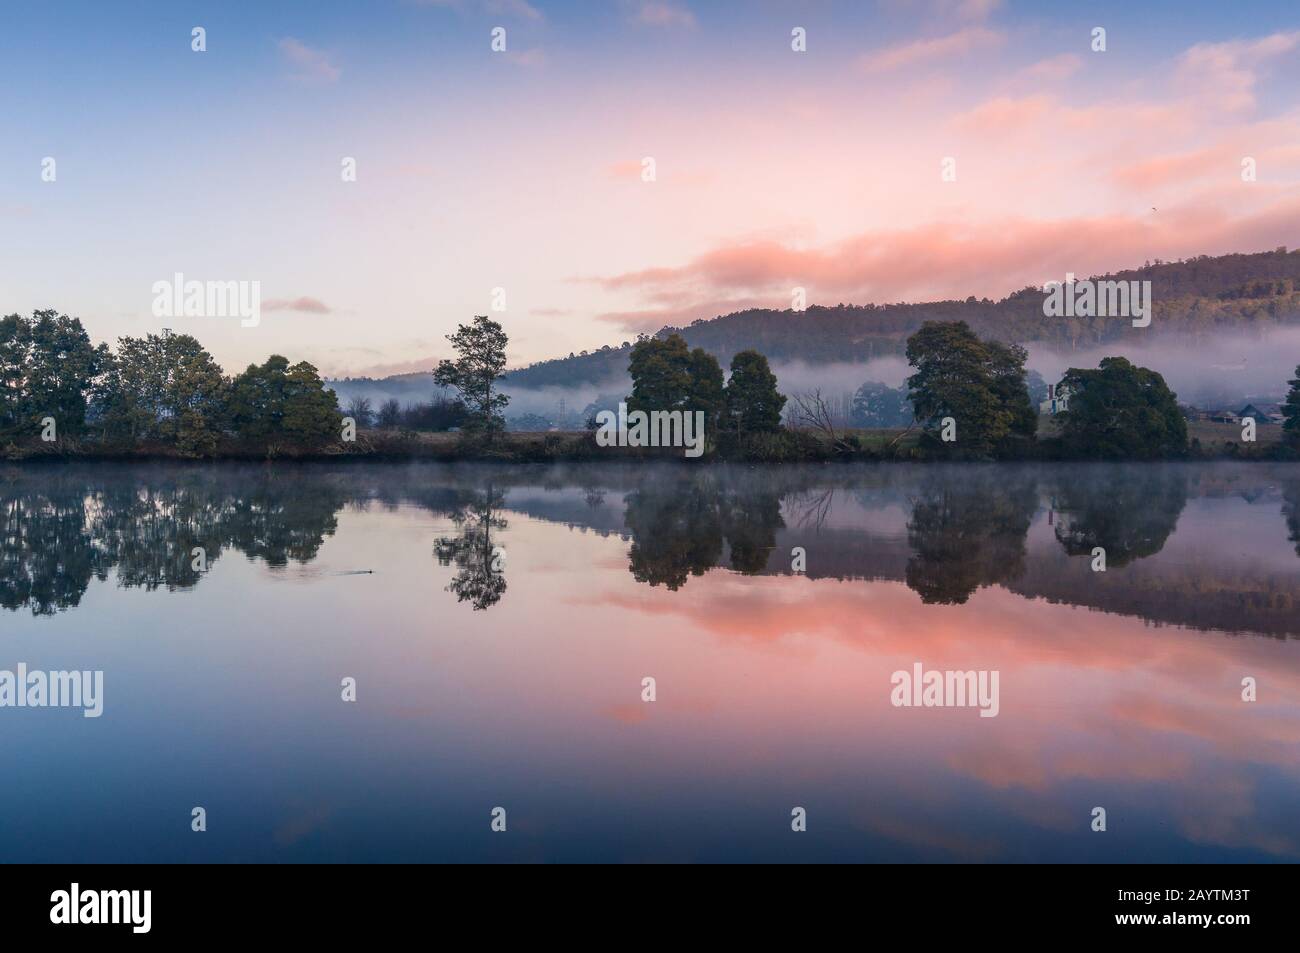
[[522, 688]]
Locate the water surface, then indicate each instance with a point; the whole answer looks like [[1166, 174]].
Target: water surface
[[499, 622]]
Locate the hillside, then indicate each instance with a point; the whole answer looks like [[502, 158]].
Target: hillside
[[1195, 297]]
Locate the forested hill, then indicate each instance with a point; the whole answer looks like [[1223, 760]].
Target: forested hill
[[1194, 297]]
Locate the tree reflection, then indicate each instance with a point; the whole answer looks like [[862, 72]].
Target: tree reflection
[[679, 526], [480, 578], [1130, 516], [47, 555], [58, 533], [1291, 511], [968, 530]]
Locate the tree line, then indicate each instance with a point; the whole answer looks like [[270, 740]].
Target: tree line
[[970, 396], [157, 389]]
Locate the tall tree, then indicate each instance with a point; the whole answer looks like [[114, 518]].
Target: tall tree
[[480, 363], [195, 395], [753, 403], [706, 390], [1011, 387], [48, 368], [979, 384]]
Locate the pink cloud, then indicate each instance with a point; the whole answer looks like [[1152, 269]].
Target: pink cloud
[[304, 304], [664, 15], [309, 65], [1180, 167], [1053, 69], [1224, 74], [921, 51], [945, 259]]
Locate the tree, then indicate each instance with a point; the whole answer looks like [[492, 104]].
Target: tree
[[162, 388], [481, 362], [979, 384], [1010, 385], [48, 368], [753, 404], [1291, 410], [878, 405], [1121, 411], [359, 410], [706, 392], [195, 394], [390, 414], [661, 374], [275, 405]]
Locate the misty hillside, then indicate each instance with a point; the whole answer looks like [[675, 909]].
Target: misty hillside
[[1250, 293]]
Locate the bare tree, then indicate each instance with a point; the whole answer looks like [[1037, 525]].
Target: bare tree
[[359, 410], [812, 412]]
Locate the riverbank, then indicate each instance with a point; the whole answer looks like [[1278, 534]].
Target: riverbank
[[1208, 441]]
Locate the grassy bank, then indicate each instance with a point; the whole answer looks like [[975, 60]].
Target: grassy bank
[[1207, 441]]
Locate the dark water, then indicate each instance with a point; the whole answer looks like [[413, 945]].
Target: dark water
[[521, 686]]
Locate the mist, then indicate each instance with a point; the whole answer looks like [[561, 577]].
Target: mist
[[1217, 373], [1222, 372]]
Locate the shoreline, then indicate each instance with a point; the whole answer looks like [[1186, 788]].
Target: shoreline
[[522, 447]]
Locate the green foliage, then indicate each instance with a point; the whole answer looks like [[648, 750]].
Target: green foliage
[[661, 374], [1121, 412], [706, 391], [980, 384], [753, 404], [276, 406], [47, 368], [164, 388], [480, 363]]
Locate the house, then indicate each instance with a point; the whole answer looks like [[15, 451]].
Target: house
[[1263, 413], [1223, 417], [1058, 399]]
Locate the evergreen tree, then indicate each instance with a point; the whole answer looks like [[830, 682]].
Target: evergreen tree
[[753, 404], [706, 391]]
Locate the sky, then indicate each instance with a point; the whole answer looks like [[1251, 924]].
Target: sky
[[524, 169]]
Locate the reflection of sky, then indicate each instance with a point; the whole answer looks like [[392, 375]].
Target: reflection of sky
[[772, 692]]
